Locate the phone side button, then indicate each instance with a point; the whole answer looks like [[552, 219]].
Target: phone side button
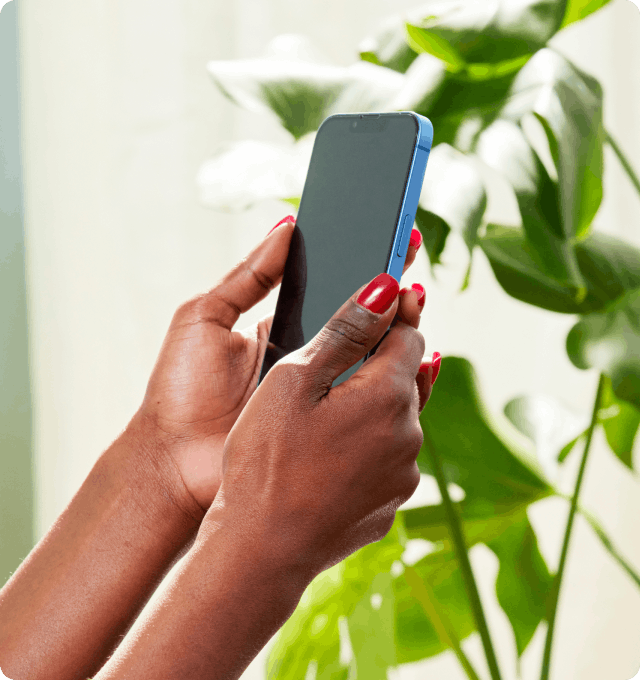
[[405, 224]]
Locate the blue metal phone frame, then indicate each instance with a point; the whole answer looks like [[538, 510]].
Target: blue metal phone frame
[[407, 213]]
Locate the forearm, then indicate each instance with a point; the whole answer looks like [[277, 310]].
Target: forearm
[[225, 602], [77, 593]]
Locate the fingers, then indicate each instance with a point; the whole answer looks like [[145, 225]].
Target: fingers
[[411, 305], [427, 375], [352, 331], [250, 280], [414, 245]]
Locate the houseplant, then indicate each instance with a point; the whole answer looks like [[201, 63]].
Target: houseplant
[[498, 95]]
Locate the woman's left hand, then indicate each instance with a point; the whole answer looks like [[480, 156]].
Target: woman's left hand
[[206, 372]]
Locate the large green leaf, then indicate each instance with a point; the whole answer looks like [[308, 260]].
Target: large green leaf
[[504, 147], [568, 103], [499, 482], [524, 582], [453, 198], [492, 471], [608, 266], [300, 88], [480, 37], [609, 340]]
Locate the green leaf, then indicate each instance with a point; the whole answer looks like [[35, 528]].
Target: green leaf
[[608, 266], [484, 34], [453, 198], [523, 582], [300, 88], [568, 103], [492, 471], [499, 482], [620, 421], [610, 341], [504, 147], [579, 9], [548, 424]]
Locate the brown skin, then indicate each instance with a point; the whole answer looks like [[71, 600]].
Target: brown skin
[[69, 604]]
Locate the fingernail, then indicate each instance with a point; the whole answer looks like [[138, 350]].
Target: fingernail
[[379, 294], [419, 288], [416, 238], [436, 366], [288, 218]]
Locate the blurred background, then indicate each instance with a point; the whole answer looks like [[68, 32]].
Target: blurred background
[[106, 114]]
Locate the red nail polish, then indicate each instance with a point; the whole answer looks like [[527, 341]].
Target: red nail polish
[[419, 288], [288, 218], [379, 294], [436, 366], [425, 367], [416, 238]]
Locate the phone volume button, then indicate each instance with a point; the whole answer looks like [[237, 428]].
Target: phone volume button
[[405, 224]]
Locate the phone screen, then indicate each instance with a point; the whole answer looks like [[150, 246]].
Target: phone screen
[[349, 210]]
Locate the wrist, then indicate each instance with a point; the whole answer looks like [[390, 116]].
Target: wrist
[[141, 459]]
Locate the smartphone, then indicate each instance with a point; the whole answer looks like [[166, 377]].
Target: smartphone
[[355, 218]]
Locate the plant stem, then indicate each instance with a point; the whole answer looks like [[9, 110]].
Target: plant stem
[[423, 592], [555, 592], [457, 537], [623, 161]]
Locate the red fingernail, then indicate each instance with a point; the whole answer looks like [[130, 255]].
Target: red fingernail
[[425, 367], [288, 218], [436, 366], [419, 288], [379, 294], [416, 238]]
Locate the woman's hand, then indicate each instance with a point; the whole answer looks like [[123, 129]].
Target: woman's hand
[[206, 371]]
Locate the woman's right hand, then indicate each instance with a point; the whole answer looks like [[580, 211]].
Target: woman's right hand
[[311, 472]]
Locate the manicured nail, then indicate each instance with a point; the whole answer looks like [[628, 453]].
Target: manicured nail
[[379, 294], [288, 218], [419, 288], [436, 366], [416, 238]]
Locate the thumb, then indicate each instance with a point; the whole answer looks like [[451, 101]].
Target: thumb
[[352, 331]]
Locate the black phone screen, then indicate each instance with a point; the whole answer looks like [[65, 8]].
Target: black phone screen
[[348, 213]]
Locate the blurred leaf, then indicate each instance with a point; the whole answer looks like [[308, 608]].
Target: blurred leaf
[[608, 266], [579, 9], [303, 90], [453, 198], [499, 483], [388, 46], [620, 421], [568, 103], [568, 448], [295, 202], [492, 472], [524, 582], [548, 424], [504, 147], [478, 36], [244, 173], [609, 340]]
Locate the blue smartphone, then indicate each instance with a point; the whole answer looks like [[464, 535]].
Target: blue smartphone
[[354, 222]]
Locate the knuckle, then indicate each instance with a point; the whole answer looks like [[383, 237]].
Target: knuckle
[[189, 311], [342, 331]]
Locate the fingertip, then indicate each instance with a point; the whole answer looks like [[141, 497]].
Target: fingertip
[[288, 219]]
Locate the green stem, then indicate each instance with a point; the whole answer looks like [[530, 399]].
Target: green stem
[[422, 591], [457, 537], [623, 161], [555, 592]]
